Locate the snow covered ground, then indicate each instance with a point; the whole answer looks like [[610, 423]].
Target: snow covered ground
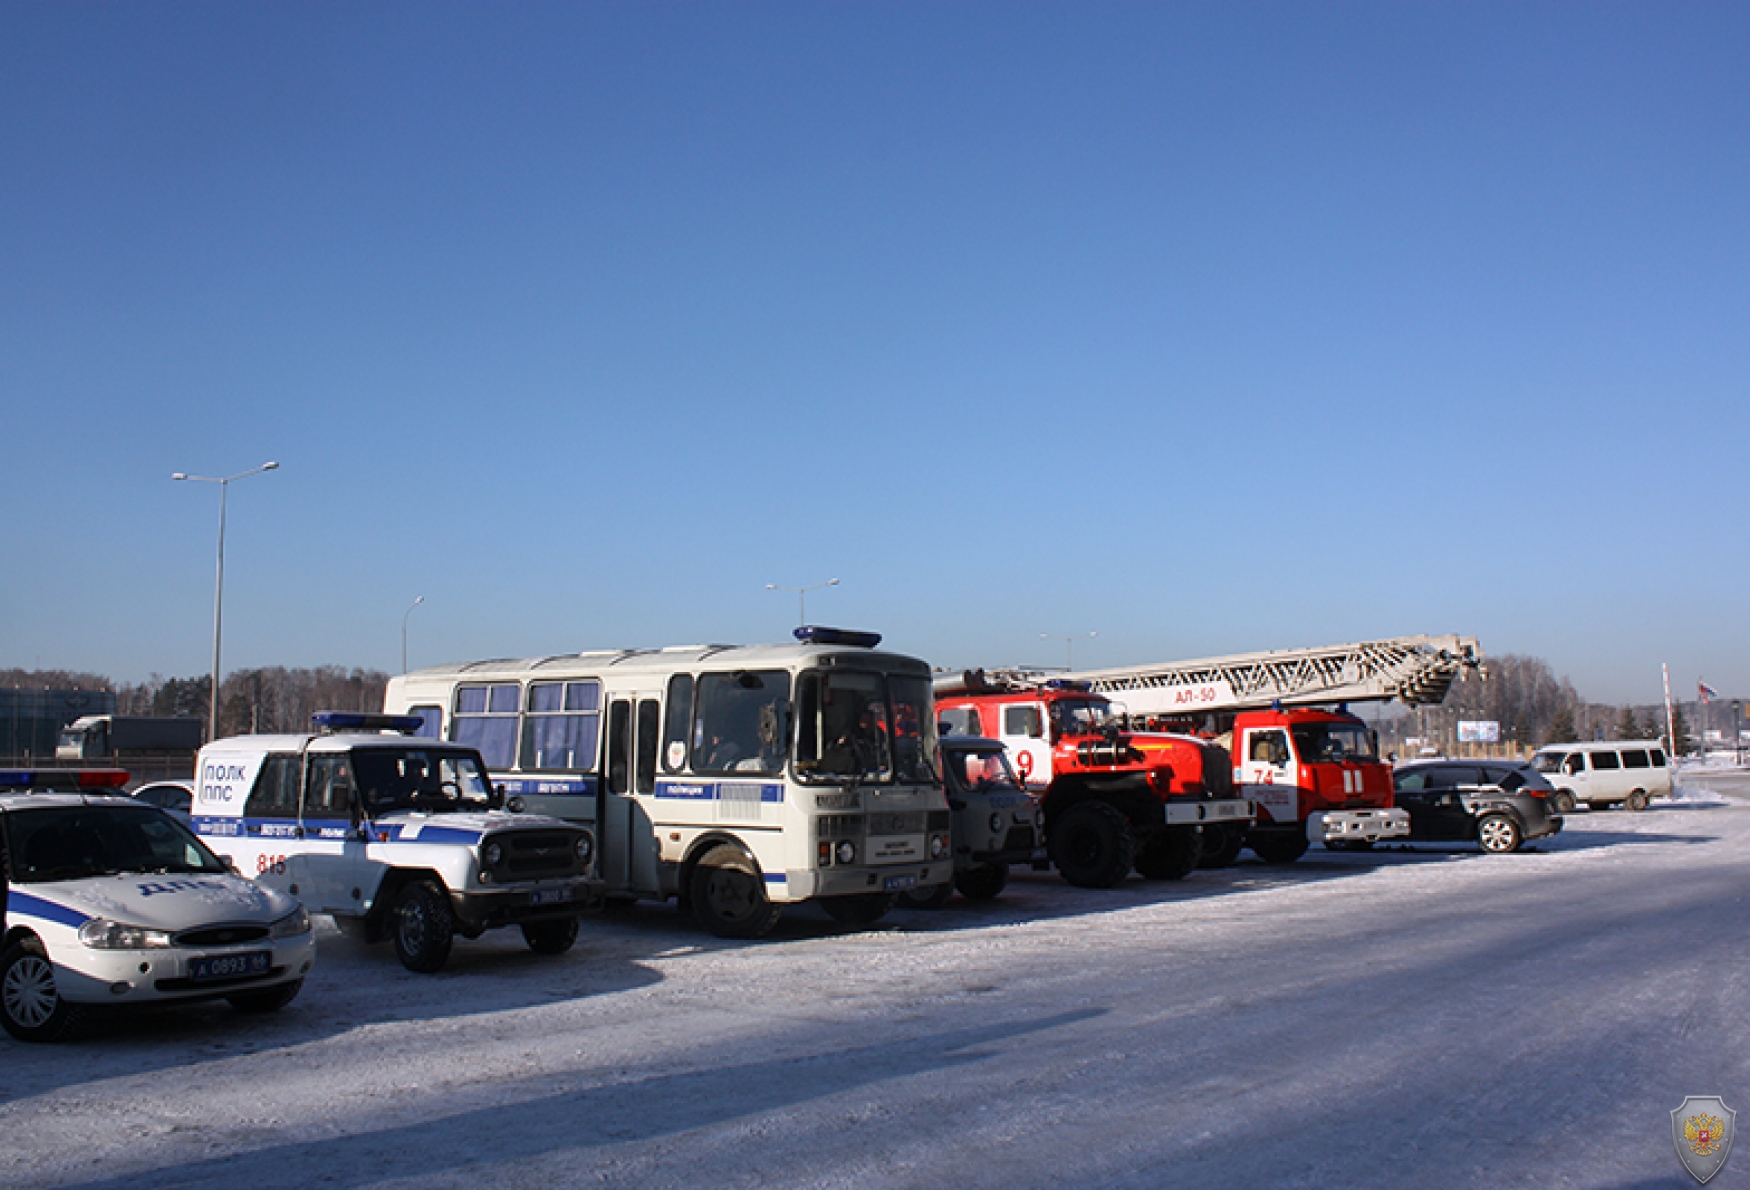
[[1421, 1016]]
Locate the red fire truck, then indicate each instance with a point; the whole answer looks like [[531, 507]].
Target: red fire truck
[[1113, 799]]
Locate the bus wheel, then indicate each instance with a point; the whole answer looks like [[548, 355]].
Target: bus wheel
[[1170, 855], [858, 909], [983, 882], [728, 897], [931, 896], [554, 936], [1221, 846], [424, 926], [1092, 845], [1278, 847]]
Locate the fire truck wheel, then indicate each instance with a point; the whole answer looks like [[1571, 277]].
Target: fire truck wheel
[[550, 937], [728, 897], [1172, 855], [982, 883], [1092, 845], [424, 926], [858, 909], [931, 896], [1277, 847], [1221, 846], [1498, 834], [1563, 802]]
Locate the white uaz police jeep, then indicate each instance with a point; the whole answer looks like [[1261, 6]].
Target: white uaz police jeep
[[393, 833], [115, 902]]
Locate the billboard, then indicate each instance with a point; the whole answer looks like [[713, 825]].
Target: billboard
[[1479, 731]]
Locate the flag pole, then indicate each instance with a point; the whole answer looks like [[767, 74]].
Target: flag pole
[[1670, 723]]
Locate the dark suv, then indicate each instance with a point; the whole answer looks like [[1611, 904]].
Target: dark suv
[[1498, 803]]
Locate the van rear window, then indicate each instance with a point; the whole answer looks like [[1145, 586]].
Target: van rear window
[[1635, 758]]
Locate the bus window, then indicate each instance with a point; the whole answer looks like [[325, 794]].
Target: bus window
[[486, 720], [680, 716], [739, 722], [561, 726]]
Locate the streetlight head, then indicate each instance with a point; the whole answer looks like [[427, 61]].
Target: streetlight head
[[270, 466], [832, 582], [418, 600], [178, 475], [771, 586]]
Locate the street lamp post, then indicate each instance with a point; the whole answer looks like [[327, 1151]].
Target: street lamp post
[[1069, 646], [404, 615], [802, 597], [219, 582]]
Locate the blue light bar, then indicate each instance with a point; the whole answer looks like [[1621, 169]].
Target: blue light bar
[[1068, 684], [365, 721], [63, 778], [815, 634]]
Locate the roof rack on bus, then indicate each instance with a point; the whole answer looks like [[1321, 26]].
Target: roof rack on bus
[[63, 778], [329, 722], [816, 634]]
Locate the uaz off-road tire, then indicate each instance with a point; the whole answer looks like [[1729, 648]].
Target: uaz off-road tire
[[931, 896], [982, 883], [423, 926], [728, 897], [554, 936], [1092, 845], [858, 909], [31, 1008]]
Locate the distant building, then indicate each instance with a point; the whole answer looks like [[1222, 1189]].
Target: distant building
[[31, 719]]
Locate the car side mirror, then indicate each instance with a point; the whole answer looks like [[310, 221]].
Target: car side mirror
[[495, 799]]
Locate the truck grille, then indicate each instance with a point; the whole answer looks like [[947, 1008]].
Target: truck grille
[[535, 854]]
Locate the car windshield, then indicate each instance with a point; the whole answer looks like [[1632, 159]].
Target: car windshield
[[73, 842], [980, 769], [1333, 742], [430, 780], [1080, 716]]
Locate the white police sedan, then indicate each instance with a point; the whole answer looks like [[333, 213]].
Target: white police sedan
[[115, 902]]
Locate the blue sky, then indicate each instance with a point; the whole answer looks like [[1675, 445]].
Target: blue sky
[[1208, 328]]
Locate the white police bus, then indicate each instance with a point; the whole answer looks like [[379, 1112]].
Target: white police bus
[[737, 778]]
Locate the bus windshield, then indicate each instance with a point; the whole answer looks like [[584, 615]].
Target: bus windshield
[[1331, 742], [431, 780], [866, 727]]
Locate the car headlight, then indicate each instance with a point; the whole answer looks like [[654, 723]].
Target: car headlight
[[847, 852], [493, 853], [292, 924], [938, 846], [996, 824], [102, 934], [585, 847]]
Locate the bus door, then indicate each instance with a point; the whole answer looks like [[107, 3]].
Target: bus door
[[629, 846]]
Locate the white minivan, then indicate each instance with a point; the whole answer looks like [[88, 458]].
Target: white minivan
[[1613, 772]]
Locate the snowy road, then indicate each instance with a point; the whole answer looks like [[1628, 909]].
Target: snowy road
[[1428, 1017]]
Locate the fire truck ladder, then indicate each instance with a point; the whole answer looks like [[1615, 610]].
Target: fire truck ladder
[[1415, 670]]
